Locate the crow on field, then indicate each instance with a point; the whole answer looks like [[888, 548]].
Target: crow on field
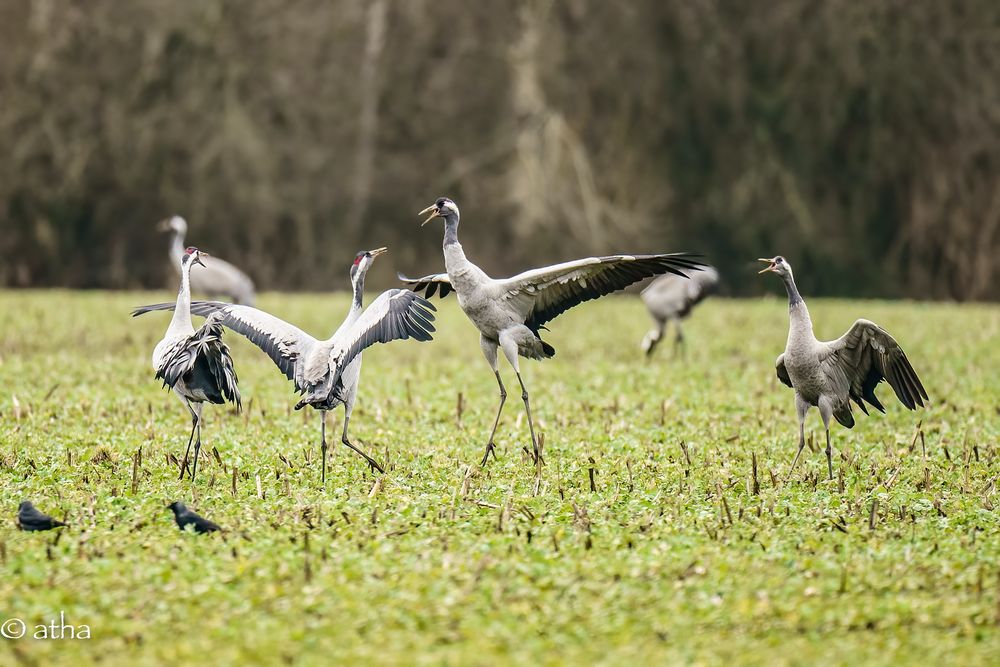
[[29, 518], [186, 517]]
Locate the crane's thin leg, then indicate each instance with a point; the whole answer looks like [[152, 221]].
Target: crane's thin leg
[[322, 444], [490, 352], [829, 454], [194, 425], [509, 342], [531, 425], [678, 339], [489, 443], [826, 411], [801, 408], [371, 462], [194, 428], [802, 444], [653, 337], [197, 444]]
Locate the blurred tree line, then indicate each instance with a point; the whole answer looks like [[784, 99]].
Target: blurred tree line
[[860, 139]]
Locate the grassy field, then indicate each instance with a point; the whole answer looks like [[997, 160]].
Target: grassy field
[[664, 553]]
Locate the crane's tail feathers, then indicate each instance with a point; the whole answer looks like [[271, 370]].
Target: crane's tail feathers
[[845, 416]]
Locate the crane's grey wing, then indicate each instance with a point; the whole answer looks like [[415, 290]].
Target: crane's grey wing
[[866, 355], [204, 362], [779, 368], [542, 294], [436, 282], [284, 343], [396, 314]]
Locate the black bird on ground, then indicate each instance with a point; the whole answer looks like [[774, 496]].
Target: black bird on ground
[[29, 518], [185, 517]]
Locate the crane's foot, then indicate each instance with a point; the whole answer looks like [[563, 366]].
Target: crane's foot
[[371, 462], [490, 449]]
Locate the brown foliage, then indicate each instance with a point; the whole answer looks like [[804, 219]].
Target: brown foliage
[[858, 138]]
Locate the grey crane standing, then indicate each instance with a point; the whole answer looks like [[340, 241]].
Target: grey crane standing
[[671, 298], [831, 374], [509, 313], [195, 364], [327, 371], [219, 279]]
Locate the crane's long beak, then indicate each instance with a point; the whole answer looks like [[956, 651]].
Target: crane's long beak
[[378, 251], [768, 268], [434, 212], [200, 255], [163, 225]]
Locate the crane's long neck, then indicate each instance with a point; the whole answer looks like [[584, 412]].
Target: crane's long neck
[[359, 291], [454, 256], [182, 312], [799, 322], [177, 248], [450, 229]]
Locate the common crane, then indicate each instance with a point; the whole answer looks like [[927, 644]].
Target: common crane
[[326, 372], [195, 364], [671, 298], [509, 313], [831, 374], [219, 279]]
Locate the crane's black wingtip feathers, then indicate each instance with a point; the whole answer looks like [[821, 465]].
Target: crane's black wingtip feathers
[[427, 285], [142, 310]]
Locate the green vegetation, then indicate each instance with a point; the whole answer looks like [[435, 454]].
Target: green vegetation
[[673, 558]]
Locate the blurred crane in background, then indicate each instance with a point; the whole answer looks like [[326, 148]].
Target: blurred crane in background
[[220, 278], [671, 298]]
